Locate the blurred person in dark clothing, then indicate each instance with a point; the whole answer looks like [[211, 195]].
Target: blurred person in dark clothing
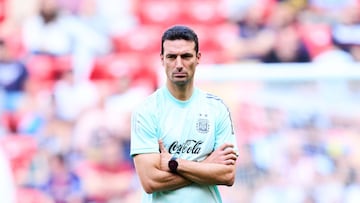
[[266, 35], [63, 185], [13, 75], [253, 39], [287, 47]]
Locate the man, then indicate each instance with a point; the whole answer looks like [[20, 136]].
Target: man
[[190, 128]]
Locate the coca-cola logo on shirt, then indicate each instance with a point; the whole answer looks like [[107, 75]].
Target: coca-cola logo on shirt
[[188, 147]]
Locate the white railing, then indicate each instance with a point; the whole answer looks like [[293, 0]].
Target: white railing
[[281, 71]]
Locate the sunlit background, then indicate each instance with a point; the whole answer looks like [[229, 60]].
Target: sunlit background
[[71, 72]]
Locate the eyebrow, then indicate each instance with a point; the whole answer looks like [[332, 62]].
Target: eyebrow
[[182, 55]]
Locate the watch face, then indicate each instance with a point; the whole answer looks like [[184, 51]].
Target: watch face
[[173, 164]]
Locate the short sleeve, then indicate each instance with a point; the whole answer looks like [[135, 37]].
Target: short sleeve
[[144, 138], [224, 128]]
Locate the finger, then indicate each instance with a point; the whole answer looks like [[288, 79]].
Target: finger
[[231, 157], [229, 151], [226, 145], [230, 162]]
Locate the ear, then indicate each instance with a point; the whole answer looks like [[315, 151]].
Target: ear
[[162, 59], [198, 56]]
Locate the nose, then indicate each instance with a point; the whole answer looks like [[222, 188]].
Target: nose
[[178, 62]]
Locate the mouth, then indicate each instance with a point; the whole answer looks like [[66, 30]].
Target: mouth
[[179, 75]]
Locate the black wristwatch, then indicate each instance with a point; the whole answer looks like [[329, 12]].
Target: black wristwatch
[[173, 164]]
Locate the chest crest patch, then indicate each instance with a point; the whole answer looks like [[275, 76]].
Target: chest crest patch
[[202, 124]]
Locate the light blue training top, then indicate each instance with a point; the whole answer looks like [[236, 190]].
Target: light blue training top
[[189, 129]]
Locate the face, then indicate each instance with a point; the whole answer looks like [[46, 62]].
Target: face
[[180, 61]]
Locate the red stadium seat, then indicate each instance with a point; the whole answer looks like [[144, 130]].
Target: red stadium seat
[[214, 57], [215, 37], [46, 68], [144, 38], [161, 12], [169, 12], [206, 36], [135, 65], [31, 195], [20, 150], [2, 10], [206, 12], [13, 41], [10, 121], [116, 65], [41, 67], [317, 38]]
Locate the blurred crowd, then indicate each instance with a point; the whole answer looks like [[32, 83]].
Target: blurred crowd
[[294, 149], [71, 72], [296, 30]]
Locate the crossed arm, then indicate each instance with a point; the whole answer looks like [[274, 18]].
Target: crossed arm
[[217, 169]]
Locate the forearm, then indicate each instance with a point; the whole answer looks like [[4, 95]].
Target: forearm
[[207, 173], [152, 178], [163, 180]]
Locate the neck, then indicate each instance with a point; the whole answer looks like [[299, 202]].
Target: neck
[[181, 92]]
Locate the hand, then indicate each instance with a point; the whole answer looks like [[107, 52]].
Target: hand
[[165, 156], [225, 154]]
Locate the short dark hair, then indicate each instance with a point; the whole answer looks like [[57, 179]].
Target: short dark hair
[[180, 32]]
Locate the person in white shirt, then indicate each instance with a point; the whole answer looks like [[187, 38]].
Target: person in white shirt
[[7, 186]]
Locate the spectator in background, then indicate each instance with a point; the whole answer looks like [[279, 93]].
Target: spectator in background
[[53, 32], [108, 165], [88, 14], [287, 47], [341, 48], [329, 10], [333, 54], [63, 185], [13, 75], [7, 186], [46, 32], [286, 43], [267, 30], [346, 32], [107, 17], [253, 39], [72, 98], [89, 121], [118, 15]]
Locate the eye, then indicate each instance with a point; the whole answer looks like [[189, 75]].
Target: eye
[[171, 56], [186, 56]]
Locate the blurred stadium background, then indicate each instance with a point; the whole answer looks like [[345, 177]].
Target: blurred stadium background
[[72, 70]]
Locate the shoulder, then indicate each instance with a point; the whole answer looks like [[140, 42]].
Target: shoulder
[[213, 102], [151, 102], [211, 98]]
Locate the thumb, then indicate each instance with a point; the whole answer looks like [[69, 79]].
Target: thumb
[[161, 146]]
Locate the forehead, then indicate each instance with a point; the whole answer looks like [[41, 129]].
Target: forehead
[[178, 46]]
